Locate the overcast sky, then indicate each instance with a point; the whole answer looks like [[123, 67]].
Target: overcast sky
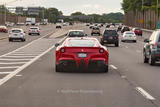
[[70, 6]]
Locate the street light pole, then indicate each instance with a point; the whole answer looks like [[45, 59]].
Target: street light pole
[[5, 11], [157, 7]]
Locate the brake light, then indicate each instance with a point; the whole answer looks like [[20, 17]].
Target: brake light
[[62, 50], [117, 37], [155, 45], [102, 36], [101, 50], [37, 31], [21, 33]]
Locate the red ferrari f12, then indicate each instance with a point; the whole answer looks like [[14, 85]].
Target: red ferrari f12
[[81, 54]]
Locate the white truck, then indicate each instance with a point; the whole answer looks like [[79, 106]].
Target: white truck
[[30, 21], [44, 21]]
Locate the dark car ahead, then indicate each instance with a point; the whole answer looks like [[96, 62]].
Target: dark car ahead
[[110, 36], [152, 48], [76, 33], [125, 28], [96, 30]]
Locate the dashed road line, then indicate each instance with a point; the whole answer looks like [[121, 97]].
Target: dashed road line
[[144, 93], [18, 56], [114, 67], [15, 59], [1, 73], [9, 67], [11, 63], [20, 68]]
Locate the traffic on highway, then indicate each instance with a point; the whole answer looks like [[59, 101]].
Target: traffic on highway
[[51, 59]]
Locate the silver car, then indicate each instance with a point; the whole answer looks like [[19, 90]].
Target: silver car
[[34, 30], [17, 34]]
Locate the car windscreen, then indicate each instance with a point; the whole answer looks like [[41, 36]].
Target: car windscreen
[[95, 28], [33, 28], [82, 43], [16, 31], [110, 33], [130, 33], [76, 34]]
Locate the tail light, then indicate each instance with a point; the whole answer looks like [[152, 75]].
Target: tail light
[[62, 50], [117, 37], [101, 50], [21, 33], [37, 31], [102, 36], [155, 45]]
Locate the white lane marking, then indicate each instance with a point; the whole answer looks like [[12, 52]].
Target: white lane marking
[[18, 75], [23, 54], [144, 93], [126, 47], [18, 56], [114, 67], [8, 77], [17, 50], [9, 67], [11, 63], [15, 59], [1, 73]]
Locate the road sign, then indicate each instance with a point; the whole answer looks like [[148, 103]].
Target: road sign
[[140, 21], [158, 24]]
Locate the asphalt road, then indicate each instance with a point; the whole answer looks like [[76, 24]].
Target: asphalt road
[[129, 83]]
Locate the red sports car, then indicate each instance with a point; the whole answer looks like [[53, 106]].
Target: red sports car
[[137, 31], [81, 54], [3, 29]]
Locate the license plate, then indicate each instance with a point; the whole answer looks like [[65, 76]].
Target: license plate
[[82, 55], [15, 34], [110, 37]]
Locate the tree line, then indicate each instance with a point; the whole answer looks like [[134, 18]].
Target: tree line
[[53, 14], [140, 5]]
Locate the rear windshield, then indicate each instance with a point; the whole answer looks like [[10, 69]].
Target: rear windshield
[[126, 28], [82, 43], [76, 33], [33, 28], [110, 33], [130, 33], [16, 31], [95, 28]]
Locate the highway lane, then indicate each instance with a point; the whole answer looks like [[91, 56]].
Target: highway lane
[[6, 46], [128, 58], [39, 85]]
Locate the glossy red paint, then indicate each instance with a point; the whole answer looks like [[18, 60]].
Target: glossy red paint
[[138, 31], [96, 53]]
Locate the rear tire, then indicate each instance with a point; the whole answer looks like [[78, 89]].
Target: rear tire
[[117, 44], [145, 58], [57, 69], [106, 70], [10, 40], [151, 60]]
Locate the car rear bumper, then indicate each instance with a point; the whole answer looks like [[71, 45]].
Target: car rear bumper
[[70, 65], [109, 41]]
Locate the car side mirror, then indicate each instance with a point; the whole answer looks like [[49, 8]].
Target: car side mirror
[[146, 40], [24, 32], [57, 44]]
